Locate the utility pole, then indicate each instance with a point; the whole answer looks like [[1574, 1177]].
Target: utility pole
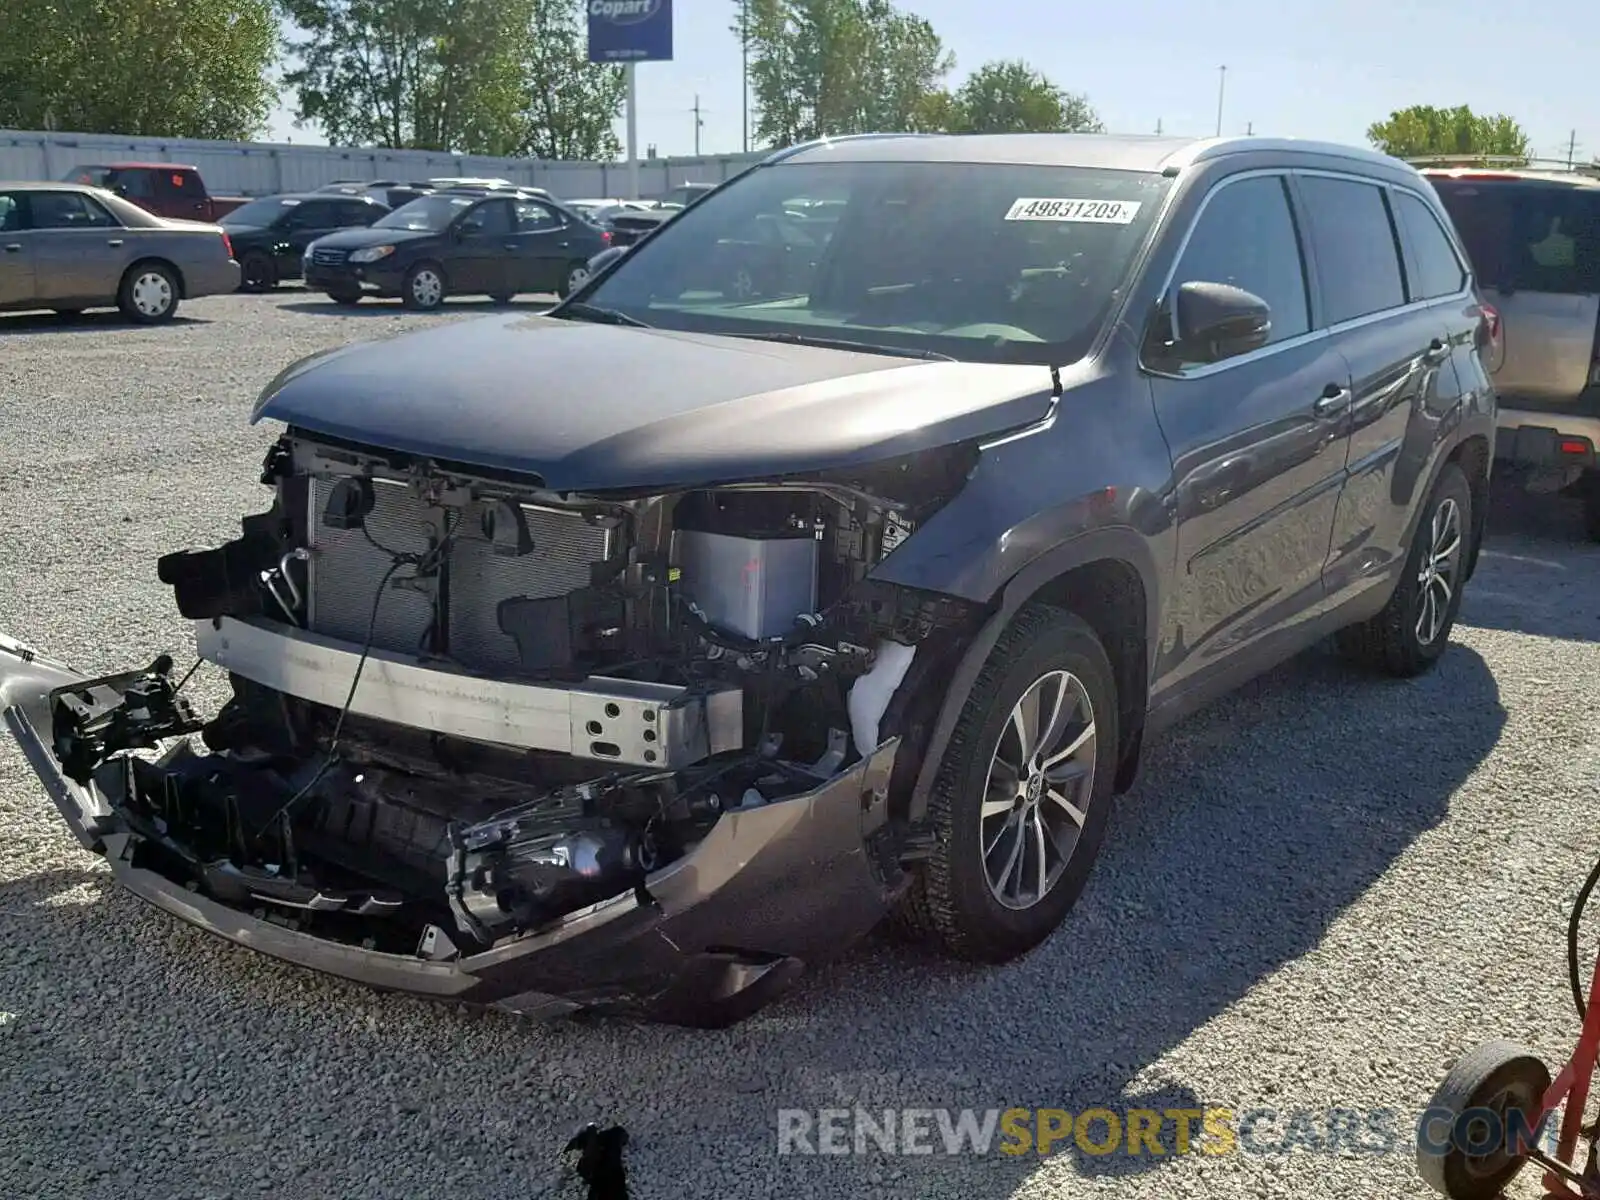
[[1572, 148], [1222, 87], [1158, 126], [698, 124], [744, 71], [1249, 129]]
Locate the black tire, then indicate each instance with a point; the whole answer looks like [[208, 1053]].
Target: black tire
[[148, 294], [952, 904], [414, 294], [573, 276], [1391, 642], [345, 297], [68, 313], [502, 298], [257, 273], [1591, 505], [1498, 1077]]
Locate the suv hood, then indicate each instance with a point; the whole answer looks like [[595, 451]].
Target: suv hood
[[589, 407]]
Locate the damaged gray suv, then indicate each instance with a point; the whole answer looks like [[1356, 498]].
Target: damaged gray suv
[[633, 656]]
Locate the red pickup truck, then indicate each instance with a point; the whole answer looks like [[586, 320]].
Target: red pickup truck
[[166, 189]]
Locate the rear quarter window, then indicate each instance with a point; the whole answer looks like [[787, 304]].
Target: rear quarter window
[[1439, 272], [1528, 237]]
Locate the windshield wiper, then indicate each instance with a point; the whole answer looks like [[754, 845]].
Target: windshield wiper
[[600, 316], [806, 339]]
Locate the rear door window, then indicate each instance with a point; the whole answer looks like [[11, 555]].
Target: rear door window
[[1358, 259], [188, 185], [66, 210], [1246, 238], [1528, 237], [1439, 271], [355, 212]]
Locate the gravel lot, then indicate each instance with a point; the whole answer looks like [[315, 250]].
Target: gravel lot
[[1321, 892]]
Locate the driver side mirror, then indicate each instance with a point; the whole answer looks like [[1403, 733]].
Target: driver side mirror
[[468, 228], [1216, 321]]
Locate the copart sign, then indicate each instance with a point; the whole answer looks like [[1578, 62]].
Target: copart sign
[[630, 31]]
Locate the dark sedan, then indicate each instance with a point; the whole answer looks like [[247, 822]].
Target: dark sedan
[[270, 235], [462, 242]]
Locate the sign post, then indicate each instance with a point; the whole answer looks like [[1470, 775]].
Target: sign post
[[629, 32]]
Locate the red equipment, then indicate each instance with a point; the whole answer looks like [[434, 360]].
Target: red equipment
[[1489, 1113]]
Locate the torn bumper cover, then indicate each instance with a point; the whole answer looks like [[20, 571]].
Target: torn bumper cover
[[705, 940]]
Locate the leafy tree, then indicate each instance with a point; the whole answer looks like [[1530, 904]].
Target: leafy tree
[[828, 67], [1012, 97], [1423, 130], [144, 68], [497, 77]]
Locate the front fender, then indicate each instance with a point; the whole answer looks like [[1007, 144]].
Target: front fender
[[1118, 543]]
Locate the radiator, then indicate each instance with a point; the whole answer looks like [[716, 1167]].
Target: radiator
[[347, 567]]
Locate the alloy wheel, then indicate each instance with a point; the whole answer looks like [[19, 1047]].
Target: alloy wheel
[[576, 278], [152, 294], [743, 285], [1436, 578], [1037, 790]]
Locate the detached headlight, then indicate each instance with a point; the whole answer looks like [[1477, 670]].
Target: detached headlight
[[371, 254]]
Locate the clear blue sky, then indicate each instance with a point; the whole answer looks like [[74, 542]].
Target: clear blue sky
[[1303, 68]]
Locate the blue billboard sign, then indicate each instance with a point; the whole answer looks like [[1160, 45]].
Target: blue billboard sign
[[624, 31]]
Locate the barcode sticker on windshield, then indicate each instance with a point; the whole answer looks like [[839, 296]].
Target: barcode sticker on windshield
[[1094, 212]]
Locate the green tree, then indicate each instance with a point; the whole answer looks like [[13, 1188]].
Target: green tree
[[1012, 97], [497, 77], [144, 68], [1423, 130], [828, 67]]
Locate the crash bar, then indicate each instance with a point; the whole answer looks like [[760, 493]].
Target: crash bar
[[609, 720]]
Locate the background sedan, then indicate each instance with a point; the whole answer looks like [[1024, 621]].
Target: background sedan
[[67, 247]]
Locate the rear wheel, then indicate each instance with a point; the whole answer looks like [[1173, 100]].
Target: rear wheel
[[424, 287], [1020, 804], [1413, 629], [502, 298], [68, 312], [257, 274], [1591, 505], [149, 293], [576, 276], [345, 297]]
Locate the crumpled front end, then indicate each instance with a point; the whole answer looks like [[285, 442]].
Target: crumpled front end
[[500, 746]]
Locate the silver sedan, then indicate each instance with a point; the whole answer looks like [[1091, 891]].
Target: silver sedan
[[68, 247]]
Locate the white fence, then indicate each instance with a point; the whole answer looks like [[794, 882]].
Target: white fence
[[262, 169]]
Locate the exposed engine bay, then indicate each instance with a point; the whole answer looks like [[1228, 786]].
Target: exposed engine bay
[[464, 707]]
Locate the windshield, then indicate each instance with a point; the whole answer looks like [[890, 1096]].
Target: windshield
[[258, 212], [989, 262], [93, 176], [431, 213]]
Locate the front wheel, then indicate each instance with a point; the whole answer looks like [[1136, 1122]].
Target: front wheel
[[424, 287], [1475, 1134], [257, 274], [1020, 803], [1413, 629], [344, 297], [149, 293]]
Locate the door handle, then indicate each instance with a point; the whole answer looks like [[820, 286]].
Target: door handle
[[1332, 402], [511, 246], [563, 245], [13, 247], [114, 242], [1436, 352]]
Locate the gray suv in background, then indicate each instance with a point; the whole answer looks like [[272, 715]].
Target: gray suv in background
[[643, 653], [1534, 240]]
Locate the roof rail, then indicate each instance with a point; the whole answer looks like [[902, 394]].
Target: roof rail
[[1504, 162]]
